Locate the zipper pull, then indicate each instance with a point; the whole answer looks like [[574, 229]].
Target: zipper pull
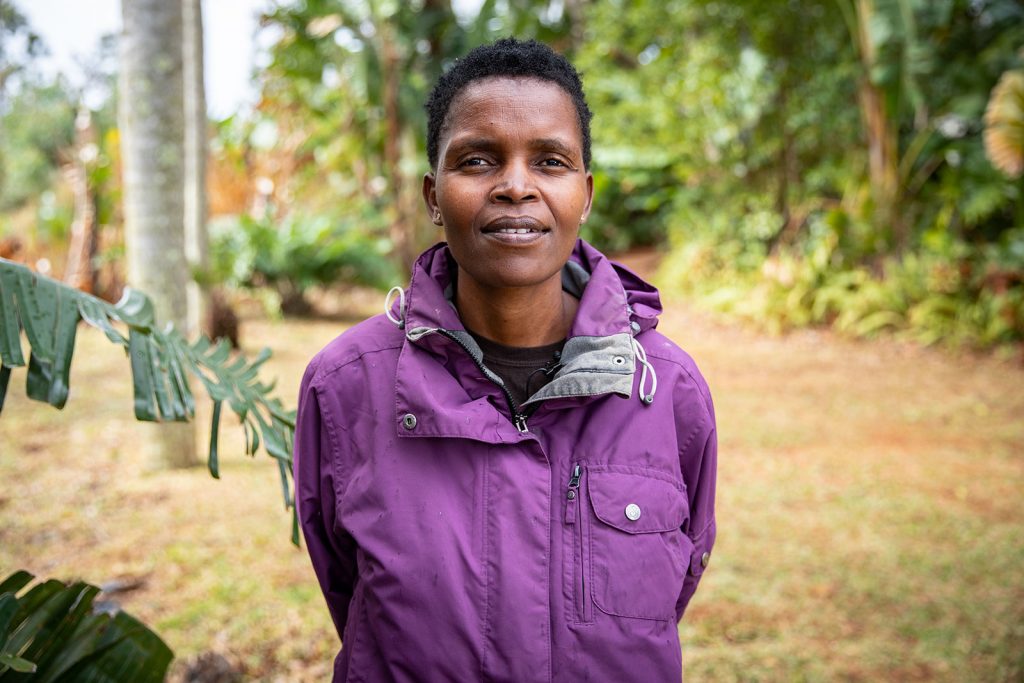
[[572, 494], [520, 423]]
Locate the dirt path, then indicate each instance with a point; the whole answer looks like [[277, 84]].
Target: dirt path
[[871, 523]]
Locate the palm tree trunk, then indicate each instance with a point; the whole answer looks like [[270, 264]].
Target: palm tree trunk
[[150, 117], [196, 145], [80, 271]]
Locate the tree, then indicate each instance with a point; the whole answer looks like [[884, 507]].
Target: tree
[[196, 146], [151, 120]]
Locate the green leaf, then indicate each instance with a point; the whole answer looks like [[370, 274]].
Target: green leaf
[[59, 633], [10, 339], [39, 613], [136, 310], [219, 354], [95, 313], [159, 377], [8, 608], [66, 325], [5, 378], [15, 582], [39, 379], [214, 430], [37, 300], [17, 664], [69, 611], [128, 651], [142, 380]]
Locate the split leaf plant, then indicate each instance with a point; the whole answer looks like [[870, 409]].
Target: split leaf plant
[[161, 360]]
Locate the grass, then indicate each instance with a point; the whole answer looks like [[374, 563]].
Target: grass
[[871, 522]]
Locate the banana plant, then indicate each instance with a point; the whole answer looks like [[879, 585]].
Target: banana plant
[[56, 632], [161, 359], [1004, 124]]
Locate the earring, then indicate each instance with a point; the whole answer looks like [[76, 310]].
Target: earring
[[437, 218]]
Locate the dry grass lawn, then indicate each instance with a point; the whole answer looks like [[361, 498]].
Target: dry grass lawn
[[871, 515]]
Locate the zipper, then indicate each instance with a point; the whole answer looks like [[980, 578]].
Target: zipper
[[518, 417], [572, 494], [574, 517]]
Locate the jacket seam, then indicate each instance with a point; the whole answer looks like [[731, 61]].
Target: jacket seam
[[701, 389], [335, 443], [323, 372]]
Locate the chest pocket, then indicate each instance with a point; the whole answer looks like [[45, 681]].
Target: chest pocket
[[638, 554]]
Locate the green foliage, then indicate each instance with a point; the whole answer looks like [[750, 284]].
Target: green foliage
[[38, 126], [161, 360], [301, 252], [57, 632], [763, 178], [944, 292]]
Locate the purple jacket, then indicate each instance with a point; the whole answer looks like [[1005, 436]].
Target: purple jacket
[[458, 537]]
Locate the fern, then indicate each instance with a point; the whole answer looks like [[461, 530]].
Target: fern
[[49, 311]]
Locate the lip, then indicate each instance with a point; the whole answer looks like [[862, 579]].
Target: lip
[[501, 230], [504, 223]]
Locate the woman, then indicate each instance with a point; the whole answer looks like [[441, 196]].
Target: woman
[[508, 476]]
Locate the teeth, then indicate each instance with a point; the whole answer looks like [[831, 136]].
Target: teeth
[[516, 231]]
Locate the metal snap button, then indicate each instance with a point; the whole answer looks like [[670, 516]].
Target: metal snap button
[[409, 421], [635, 326], [632, 512], [619, 360], [704, 559], [571, 495]]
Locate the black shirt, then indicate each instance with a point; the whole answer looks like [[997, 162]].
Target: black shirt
[[523, 369]]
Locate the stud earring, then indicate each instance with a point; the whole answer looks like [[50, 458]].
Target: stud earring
[[437, 218]]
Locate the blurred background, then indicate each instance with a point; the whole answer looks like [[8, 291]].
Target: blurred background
[[830, 196]]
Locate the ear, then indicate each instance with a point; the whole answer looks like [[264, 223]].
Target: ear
[[430, 198], [590, 197]]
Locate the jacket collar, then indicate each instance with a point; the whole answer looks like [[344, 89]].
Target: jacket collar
[[598, 357]]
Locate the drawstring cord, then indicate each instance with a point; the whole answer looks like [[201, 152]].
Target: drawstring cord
[[400, 320], [641, 357]]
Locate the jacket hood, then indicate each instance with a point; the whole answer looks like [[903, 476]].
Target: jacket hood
[[601, 352]]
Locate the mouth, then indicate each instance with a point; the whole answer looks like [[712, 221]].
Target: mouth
[[515, 225], [515, 231]]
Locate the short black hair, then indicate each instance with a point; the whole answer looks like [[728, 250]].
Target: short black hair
[[507, 57]]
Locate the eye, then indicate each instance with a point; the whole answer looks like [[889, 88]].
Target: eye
[[554, 162], [473, 161]]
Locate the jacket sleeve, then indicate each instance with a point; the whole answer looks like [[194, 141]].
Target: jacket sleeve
[[699, 470], [331, 549]]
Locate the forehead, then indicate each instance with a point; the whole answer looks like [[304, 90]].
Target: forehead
[[506, 105]]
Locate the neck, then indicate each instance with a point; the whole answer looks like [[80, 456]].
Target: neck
[[516, 316]]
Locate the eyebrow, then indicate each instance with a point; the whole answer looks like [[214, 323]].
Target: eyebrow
[[489, 144]]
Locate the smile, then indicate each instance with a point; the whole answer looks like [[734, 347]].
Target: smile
[[515, 231], [514, 225]]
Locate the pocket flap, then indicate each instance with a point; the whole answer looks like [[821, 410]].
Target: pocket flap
[[635, 502]]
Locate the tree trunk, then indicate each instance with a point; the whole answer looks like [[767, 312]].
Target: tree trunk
[[150, 118], [80, 271], [196, 145], [401, 232], [882, 135]]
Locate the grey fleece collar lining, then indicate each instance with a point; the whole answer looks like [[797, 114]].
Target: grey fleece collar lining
[[590, 365]]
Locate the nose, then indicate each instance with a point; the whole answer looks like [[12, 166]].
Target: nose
[[514, 184]]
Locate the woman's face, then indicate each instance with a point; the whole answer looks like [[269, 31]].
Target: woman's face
[[510, 186]]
